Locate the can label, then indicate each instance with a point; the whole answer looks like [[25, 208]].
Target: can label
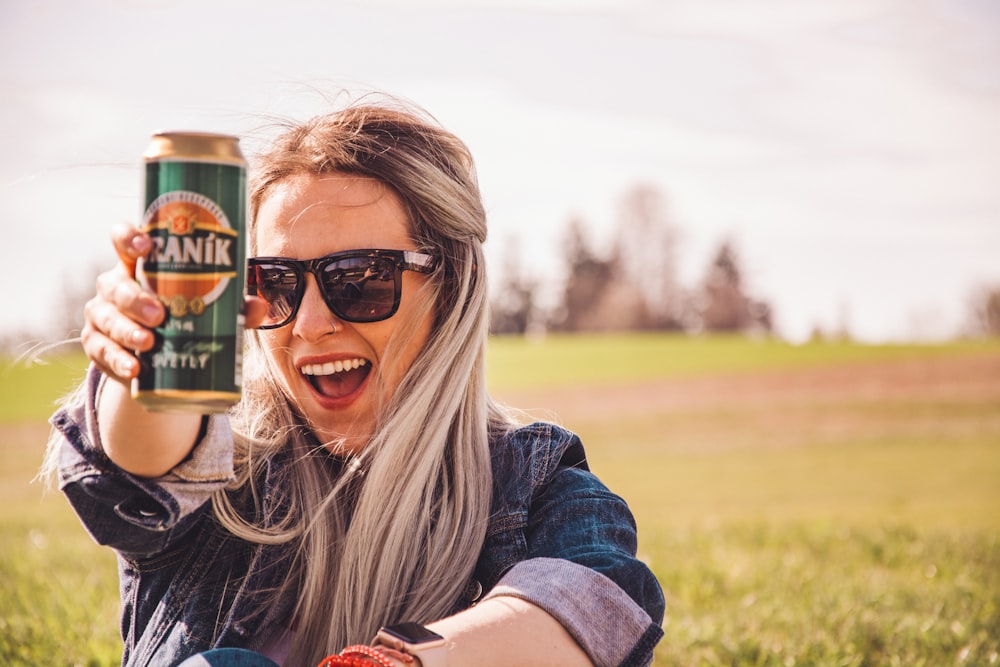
[[194, 213]]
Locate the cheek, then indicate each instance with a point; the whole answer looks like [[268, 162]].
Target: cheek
[[416, 341], [398, 349], [275, 348]]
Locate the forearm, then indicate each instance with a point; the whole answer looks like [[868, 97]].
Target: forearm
[[505, 631], [146, 444], [133, 514]]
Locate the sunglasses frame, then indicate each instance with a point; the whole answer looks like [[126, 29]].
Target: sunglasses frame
[[402, 260]]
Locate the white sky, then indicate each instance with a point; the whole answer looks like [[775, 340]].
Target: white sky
[[851, 148]]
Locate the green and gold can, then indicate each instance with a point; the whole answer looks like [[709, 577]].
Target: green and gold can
[[194, 208]]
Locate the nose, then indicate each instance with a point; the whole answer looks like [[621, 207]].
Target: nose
[[314, 319]]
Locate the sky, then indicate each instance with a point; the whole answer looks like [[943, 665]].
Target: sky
[[850, 149]]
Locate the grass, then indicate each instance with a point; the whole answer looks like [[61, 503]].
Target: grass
[[825, 594], [857, 526], [58, 590], [29, 389], [805, 527]]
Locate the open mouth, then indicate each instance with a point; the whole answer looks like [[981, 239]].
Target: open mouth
[[336, 379]]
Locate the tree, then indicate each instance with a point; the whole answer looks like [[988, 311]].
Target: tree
[[724, 304], [645, 257], [588, 278], [513, 307], [985, 307], [632, 286]]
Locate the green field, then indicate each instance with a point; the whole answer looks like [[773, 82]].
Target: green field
[[824, 504]]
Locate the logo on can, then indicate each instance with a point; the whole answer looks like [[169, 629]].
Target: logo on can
[[191, 263]]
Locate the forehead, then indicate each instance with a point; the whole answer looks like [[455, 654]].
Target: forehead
[[312, 215]]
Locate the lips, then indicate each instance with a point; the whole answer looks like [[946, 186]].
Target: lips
[[336, 379]]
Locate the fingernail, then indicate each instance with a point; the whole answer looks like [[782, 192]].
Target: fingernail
[[126, 366], [137, 336], [151, 312], [140, 243]]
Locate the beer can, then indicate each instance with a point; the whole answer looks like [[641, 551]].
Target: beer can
[[194, 208]]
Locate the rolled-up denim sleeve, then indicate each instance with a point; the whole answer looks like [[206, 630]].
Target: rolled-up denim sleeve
[[582, 569], [129, 513], [610, 627]]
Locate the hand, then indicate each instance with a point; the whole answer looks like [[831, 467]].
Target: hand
[[118, 321]]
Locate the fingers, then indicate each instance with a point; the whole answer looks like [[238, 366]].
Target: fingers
[[112, 320], [109, 357], [109, 336], [119, 319], [130, 244], [254, 311], [124, 293]]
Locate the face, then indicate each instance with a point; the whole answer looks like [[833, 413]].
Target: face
[[330, 365]]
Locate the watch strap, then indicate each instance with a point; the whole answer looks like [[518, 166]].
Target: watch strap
[[430, 653]]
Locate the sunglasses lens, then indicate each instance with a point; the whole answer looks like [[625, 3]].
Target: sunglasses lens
[[361, 289], [278, 285]]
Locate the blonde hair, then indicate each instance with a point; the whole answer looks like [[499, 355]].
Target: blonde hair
[[394, 533]]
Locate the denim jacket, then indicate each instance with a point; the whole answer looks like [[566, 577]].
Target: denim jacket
[[557, 537]]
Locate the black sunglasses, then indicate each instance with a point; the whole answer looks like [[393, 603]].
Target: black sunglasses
[[357, 285]]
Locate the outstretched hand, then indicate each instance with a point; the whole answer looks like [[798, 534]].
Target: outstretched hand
[[119, 319]]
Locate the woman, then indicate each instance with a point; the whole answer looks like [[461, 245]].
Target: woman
[[366, 478]]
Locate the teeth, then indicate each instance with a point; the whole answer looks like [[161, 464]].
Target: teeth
[[331, 367]]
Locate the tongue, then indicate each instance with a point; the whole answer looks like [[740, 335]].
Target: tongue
[[341, 384]]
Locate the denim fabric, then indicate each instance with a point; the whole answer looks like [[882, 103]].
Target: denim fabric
[[557, 537], [228, 657], [612, 622]]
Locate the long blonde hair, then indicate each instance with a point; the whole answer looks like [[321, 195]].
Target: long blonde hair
[[394, 534]]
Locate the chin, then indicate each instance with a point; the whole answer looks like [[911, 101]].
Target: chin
[[340, 442]]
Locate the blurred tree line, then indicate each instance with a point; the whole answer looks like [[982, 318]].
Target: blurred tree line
[[984, 308], [629, 284], [632, 285]]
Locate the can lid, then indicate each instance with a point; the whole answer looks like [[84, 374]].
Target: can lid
[[194, 146]]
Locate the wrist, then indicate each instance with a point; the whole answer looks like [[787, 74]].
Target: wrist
[[360, 655], [415, 642]]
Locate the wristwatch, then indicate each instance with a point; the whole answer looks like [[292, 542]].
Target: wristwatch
[[414, 639]]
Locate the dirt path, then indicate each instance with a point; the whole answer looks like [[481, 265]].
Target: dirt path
[[948, 396], [952, 379]]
